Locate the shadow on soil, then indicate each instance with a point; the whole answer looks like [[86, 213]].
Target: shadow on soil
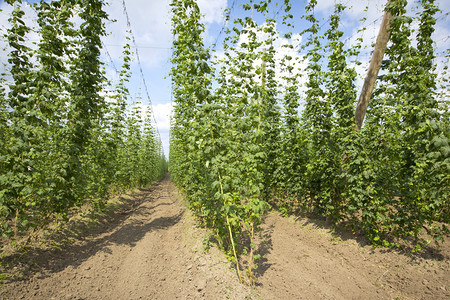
[[339, 232], [343, 232], [65, 251], [265, 246]]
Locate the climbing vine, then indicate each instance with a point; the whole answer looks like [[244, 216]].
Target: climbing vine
[[260, 137], [64, 145]]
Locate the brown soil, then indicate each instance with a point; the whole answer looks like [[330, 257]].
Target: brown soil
[[151, 249], [305, 259]]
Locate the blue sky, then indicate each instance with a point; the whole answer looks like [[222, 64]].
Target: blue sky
[[150, 23]]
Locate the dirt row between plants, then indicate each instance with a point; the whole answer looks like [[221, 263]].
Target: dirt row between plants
[[305, 259], [151, 249]]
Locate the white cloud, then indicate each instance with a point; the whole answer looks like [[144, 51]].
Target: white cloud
[[370, 27], [356, 8], [151, 25], [162, 114], [212, 10], [283, 48], [373, 11]]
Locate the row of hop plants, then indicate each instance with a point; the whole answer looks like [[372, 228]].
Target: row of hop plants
[[391, 178], [64, 144], [240, 142]]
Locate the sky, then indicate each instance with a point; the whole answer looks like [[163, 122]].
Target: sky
[[150, 23]]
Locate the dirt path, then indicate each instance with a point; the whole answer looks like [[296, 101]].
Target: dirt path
[[151, 249]]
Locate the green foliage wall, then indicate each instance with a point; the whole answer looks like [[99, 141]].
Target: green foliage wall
[[245, 144], [63, 145]]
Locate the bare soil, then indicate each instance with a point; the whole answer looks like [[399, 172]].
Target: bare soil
[[306, 259], [150, 248]]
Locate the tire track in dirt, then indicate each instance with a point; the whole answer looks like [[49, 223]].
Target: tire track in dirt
[[155, 252]]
